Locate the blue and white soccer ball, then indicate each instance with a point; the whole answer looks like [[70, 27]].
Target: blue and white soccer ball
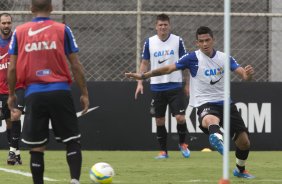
[[102, 173]]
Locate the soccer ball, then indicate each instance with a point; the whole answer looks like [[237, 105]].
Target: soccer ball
[[102, 173]]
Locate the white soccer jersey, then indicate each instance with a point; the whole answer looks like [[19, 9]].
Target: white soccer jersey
[[163, 53], [207, 76]]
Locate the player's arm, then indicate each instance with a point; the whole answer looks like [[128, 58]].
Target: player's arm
[[144, 66], [71, 50], [186, 80], [157, 72], [12, 79], [78, 74], [245, 73]]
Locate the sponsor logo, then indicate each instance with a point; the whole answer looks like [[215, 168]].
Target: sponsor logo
[[44, 45], [4, 66], [43, 72], [32, 33], [214, 82], [161, 61], [256, 116], [163, 53], [1, 57], [214, 72]]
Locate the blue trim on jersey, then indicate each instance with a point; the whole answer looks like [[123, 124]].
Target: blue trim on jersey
[[70, 43], [36, 88], [189, 61], [13, 47], [233, 64], [182, 50], [37, 19], [146, 51], [166, 86], [166, 38]]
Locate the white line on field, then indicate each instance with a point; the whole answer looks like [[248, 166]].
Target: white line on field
[[207, 181], [24, 173]]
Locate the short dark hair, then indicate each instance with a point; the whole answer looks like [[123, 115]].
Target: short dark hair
[[41, 5], [204, 30], [163, 17], [5, 14]]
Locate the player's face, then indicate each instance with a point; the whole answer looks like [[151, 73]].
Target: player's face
[[163, 28], [205, 43], [5, 25]]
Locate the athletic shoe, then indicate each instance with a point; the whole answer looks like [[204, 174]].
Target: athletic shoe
[[244, 174], [162, 155], [74, 181], [216, 142], [184, 150], [14, 159]]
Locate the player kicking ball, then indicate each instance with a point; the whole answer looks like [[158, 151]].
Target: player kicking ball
[[207, 94]]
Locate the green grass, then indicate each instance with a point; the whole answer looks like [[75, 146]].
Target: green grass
[[140, 167]]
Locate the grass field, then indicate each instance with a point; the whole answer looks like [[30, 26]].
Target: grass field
[[140, 167]]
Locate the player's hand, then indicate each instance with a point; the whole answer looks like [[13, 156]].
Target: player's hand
[[139, 89], [11, 102], [249, 71], [84, 100], [133, 76]]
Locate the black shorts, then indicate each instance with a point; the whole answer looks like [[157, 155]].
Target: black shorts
[[237, 124], [176, 99], [5, 111], [42, 107]]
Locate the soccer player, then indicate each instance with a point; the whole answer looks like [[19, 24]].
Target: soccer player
[[207, 94], [160, 50], [39, 52], [12, 119]]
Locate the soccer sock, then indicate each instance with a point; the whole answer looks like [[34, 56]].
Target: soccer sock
[[37, 166], [162, 136], [181, 130], [214, 129], [15, 134], [9, 135], [74, 159], [241, 157]]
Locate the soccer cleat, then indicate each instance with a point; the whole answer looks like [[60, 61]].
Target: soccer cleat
[[216, 142], [14, 159], [74, 181], [162, 155], [184, 150], [243, 174]]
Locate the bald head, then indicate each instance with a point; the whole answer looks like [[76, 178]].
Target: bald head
[[41, 6]]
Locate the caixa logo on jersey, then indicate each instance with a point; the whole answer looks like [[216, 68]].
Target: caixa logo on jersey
[[257, 117]]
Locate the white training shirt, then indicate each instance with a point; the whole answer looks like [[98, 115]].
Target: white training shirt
[[207, 76], [162, 53]]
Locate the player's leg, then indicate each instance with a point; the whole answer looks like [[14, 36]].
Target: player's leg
[[35, 132], [65, 127], [158, 109], [16, 126], [210, 117], [37, 164], [178, 105], [240, 135]]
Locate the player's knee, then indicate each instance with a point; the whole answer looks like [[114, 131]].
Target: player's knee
[[73, 145], [243, 142], [16, 115], [210, 120], [180, 119]]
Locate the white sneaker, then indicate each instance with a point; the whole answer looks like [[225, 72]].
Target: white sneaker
[[74, 181]]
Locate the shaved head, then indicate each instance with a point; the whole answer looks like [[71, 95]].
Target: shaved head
[[41, 5]]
